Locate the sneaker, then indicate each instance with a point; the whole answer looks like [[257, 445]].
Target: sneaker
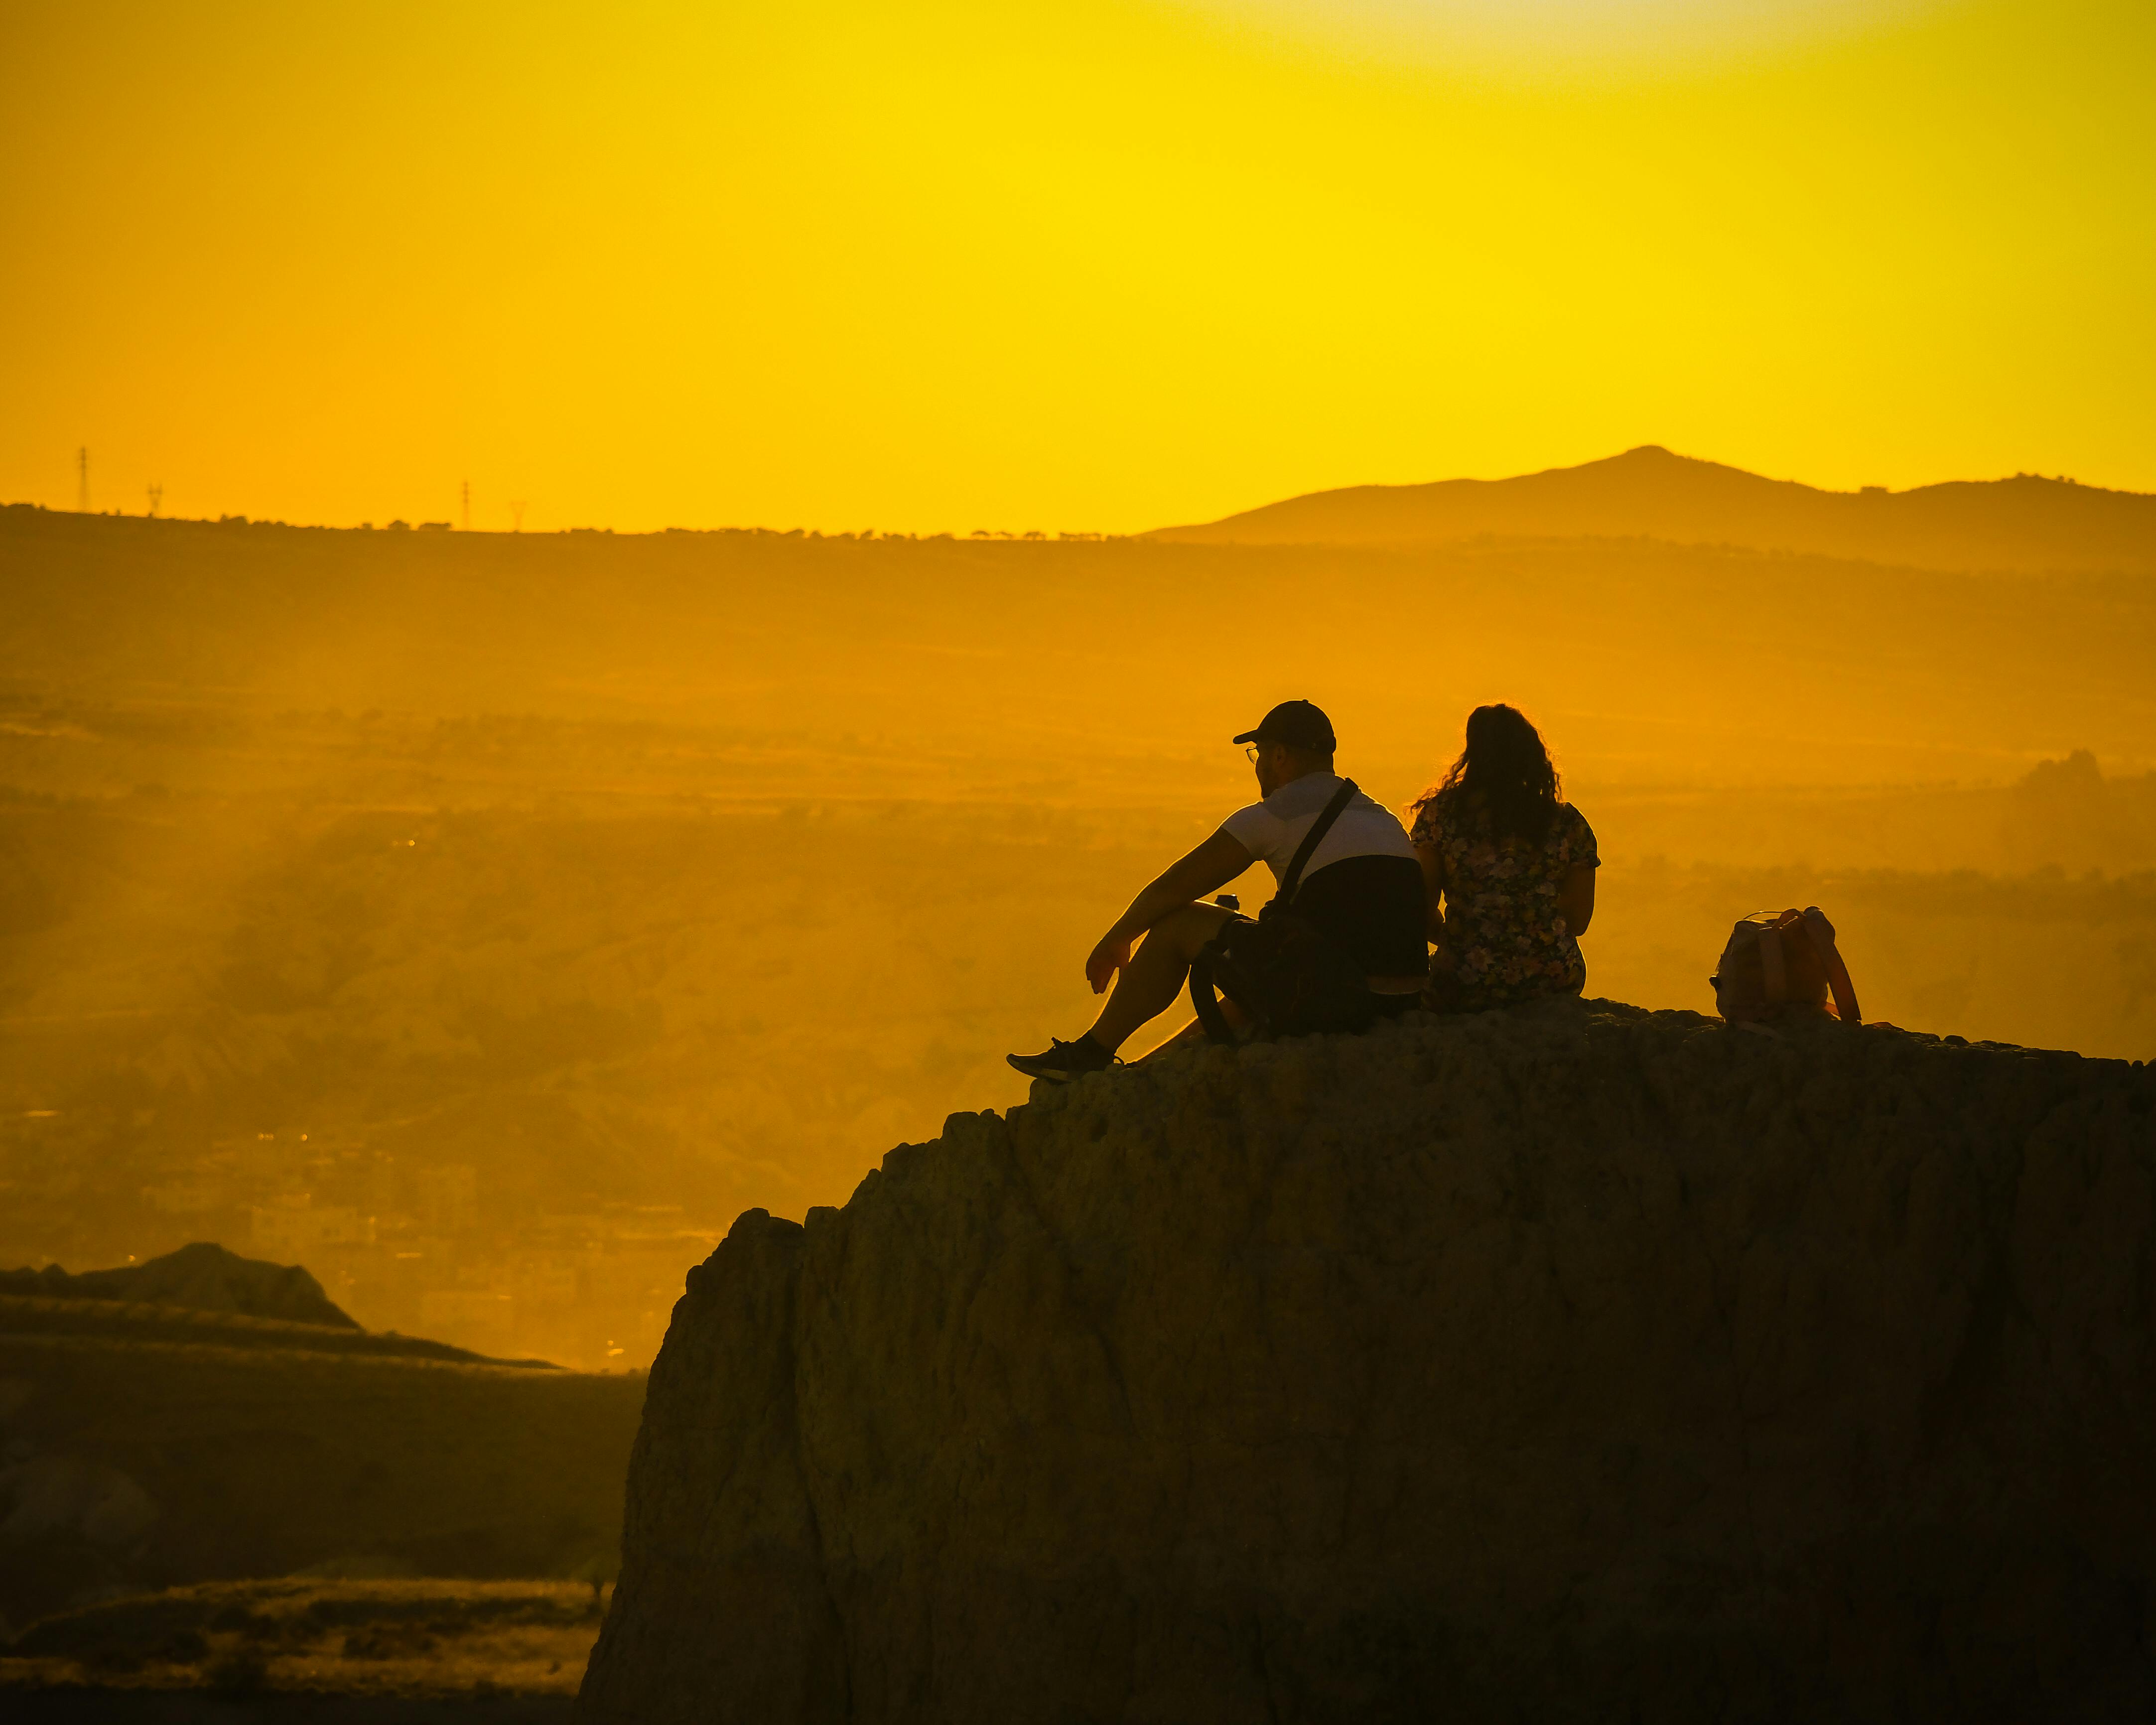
[[1066, 1060]]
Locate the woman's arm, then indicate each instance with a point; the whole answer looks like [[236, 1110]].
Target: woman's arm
[[1575, 898], [1432, 888]]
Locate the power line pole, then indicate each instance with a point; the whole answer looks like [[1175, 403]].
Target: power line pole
[[157, 496], [468, 506], [82, 480], [517, 514]]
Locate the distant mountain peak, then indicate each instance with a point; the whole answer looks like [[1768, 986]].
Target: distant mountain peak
[[1651, 492]]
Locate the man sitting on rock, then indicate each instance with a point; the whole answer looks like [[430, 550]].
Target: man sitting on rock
[[1362, 889]]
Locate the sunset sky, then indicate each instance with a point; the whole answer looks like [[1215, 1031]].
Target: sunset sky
[[1072, 265]]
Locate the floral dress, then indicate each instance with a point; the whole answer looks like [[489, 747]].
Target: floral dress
[[1504, 940]]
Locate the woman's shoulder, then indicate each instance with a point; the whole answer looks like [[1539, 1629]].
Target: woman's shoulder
[[1572, 830], [1439, 811]]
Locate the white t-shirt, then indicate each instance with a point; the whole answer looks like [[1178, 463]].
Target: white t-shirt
[[1271, 830]]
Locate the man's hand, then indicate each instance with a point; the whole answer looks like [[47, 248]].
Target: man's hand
[[1111, 956], [1211, 866]]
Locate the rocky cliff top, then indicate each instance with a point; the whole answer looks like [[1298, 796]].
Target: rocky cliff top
[[1576, 1363]]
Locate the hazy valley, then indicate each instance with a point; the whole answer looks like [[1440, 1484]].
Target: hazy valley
[[484, 920]]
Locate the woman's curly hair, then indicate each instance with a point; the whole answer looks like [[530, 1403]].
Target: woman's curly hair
[[1505, 769]]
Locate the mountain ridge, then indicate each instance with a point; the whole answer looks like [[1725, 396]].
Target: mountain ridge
[[2026, 524]]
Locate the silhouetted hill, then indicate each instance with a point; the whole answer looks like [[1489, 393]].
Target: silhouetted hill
[[202, 1277], [25, 1318], [146, 1446], [2026, 524]]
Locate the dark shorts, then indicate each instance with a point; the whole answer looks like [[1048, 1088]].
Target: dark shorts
[[1371, 908]]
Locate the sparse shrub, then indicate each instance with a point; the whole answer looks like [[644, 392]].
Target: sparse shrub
[[237, 1674], [184, 1647], [388, 1640]]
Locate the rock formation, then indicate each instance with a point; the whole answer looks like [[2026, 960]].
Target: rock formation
[[1580, 1364], [202, 1277]]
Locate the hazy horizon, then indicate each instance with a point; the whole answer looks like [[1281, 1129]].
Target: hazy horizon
[[453, 519], [1099, 266]]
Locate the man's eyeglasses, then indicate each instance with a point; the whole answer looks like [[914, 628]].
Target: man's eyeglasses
[[1250, 749]]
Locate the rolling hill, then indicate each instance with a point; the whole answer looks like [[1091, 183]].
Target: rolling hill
[[147, 1444], [2027, 524]]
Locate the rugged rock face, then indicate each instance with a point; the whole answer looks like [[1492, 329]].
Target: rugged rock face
[[202, 1277], [1583, 1363]]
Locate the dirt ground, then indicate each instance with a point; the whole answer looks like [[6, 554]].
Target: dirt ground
[[295, 1650]]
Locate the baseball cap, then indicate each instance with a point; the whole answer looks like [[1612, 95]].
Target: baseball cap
[[1299, 724]]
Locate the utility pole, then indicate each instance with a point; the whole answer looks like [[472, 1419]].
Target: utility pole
[[82, 480], [517, 514], [157, 496], [468, 506]]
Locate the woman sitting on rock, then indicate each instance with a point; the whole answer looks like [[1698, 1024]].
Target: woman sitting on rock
[[1509, 871]]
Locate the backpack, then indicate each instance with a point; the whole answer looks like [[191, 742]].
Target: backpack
[[1279, 969], [1775, 961]]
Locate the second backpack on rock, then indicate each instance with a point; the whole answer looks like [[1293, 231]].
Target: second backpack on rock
[[1779, 960]]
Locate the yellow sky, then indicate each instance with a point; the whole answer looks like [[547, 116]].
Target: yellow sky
[[1062, 265]]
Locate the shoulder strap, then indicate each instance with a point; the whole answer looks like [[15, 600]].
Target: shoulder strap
[[1820, 932], [1319, 829]]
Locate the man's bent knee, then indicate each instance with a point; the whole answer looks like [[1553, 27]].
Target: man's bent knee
[[1189, 927]]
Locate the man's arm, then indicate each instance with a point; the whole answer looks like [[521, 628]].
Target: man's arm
[[1208, 869]]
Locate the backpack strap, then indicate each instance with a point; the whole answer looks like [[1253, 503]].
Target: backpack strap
[[1202, 983], [1206, 1004], [1319, 829], [1820, 933]]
